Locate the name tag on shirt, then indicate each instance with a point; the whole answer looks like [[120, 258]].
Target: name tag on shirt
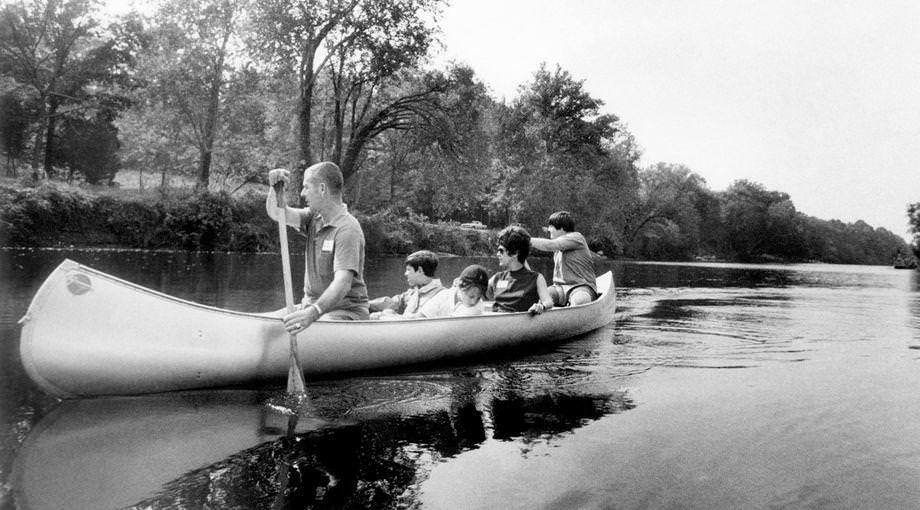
[[501, 284], [327, 244]]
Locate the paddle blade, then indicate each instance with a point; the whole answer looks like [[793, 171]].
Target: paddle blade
[[296, 383]]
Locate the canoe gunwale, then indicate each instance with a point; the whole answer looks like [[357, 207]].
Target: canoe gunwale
[[70, 265]]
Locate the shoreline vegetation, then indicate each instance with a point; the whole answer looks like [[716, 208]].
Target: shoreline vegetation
[[57, 215], [54, 215]]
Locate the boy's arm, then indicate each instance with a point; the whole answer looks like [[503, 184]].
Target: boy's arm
[[561, 243], [396, 303], [546, 301]]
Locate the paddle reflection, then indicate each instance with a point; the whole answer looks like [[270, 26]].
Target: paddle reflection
[[227, 450]]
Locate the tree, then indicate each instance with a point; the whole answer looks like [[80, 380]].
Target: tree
[[849, 243], [761, 223], [152, 140], [188, 68], [559, 151], [570, 121], [304, 36], [374, 84], [437, 162], [666, 221], [14, 125], [41, 45], [459, 155], [913, 220], [64, 64], [89, 147], [408, 105]]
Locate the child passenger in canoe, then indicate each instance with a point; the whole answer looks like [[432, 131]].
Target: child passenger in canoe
[[423, 287], [464, 298], [517, 288], [573, 263]]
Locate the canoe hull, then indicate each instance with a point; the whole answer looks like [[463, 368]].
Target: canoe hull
[[87, 334]]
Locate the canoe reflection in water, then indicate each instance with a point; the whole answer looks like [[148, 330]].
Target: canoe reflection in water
[[227, 450]]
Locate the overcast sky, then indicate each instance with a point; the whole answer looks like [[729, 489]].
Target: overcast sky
[[819, 99]]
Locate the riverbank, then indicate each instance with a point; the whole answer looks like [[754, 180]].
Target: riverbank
[[58, 215]]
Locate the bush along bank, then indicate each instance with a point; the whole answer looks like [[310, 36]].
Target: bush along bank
[[57, 216]]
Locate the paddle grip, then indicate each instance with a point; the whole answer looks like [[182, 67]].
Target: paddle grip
[[279, 195]]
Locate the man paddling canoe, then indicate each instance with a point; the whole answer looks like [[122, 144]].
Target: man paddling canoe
[[334, 279]]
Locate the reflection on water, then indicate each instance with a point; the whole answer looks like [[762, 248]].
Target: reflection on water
[[227, 450], [718, 386], [914, 309]]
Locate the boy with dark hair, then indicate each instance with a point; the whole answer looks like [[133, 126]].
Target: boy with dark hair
[[562, 220], [573, 268], [517, 288], [423, 286]]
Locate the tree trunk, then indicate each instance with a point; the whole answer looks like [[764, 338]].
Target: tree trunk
[[322, 139], [393, 184], [49, 139], [338, 130], [349, 164], [211, 118], [306, 110], [357, 194], [204, 167], [39, 140]]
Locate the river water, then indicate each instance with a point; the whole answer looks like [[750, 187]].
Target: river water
[[718, 386]]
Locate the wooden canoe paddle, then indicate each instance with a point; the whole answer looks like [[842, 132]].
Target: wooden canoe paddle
[[295, 384]]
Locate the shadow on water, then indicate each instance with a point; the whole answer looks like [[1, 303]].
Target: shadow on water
[[228, 450], [674, 309], [685, 275]]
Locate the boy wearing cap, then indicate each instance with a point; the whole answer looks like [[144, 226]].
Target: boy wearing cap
[[464, 298], [573, 269]]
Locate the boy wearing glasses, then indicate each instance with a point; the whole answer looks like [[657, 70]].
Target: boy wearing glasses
[[517, 288]]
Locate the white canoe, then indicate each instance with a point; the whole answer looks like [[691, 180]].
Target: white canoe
[[87, 333]]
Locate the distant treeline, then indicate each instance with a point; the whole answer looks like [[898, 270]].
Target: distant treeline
[[913, 222], [219, 91], [56, 215]]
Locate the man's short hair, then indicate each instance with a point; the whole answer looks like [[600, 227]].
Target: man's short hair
[[329, 173], [424, 259], [562, 220], [515, 239]]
